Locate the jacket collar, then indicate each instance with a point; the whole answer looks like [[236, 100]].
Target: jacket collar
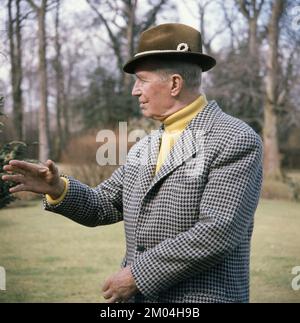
[[184, 149]]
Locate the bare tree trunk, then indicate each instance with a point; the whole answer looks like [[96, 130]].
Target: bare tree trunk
[[272, 167], [203, 7], [19, 76], [43, 113], [253, 42], [70, 77], [66, 118], [131, 12], [44, 137], [201, 11], [15, 39], [251, 10], [130, 9], [60, 88]]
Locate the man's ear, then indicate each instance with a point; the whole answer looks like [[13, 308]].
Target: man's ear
[[177, 84]]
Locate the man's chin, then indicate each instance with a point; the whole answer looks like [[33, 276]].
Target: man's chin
[[145, 113]]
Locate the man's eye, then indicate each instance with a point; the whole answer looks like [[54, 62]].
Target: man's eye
[[140, 79]]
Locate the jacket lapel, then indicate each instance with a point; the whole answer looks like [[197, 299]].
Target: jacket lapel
[[148, 159], [187, 146]]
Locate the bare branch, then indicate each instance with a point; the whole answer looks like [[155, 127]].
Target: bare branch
[[152, 14], [258, 10], [114, 22], [33, 5], [218, 32], [229, 22], [244, 10], [253, 11], [104, 21], [25, 16], [115, 41], [191, 12]]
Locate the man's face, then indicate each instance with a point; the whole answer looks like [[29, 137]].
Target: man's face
[[153, 91]]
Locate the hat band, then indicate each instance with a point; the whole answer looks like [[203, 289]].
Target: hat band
[[160, 51], [182, 47]]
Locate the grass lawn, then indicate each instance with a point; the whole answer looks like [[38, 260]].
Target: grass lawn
[[50, 259], [275, 251]]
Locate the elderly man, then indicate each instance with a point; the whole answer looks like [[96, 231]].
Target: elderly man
[[187, 192]]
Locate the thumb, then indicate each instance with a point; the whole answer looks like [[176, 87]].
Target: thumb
[[106, 284], [51, 166]]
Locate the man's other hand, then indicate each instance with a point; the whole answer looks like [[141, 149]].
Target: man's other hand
[[120, 286]]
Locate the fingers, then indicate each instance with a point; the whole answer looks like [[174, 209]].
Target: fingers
[[14, 178], [106, 285], [10, 169], [22, 164], [107, 294], [18, 179], [23, 167], [112, 298], [18, 188]]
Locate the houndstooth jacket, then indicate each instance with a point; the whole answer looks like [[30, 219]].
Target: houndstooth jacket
[[188, 227]]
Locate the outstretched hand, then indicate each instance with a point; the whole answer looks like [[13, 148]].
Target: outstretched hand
[[35, 178]]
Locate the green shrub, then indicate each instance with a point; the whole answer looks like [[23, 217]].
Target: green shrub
[[9, 151]]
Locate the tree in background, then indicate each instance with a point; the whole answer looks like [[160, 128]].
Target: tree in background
[[44, 138], [62, 117], [272, 165], [15, 44]]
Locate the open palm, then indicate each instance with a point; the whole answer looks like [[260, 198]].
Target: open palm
[[33, 177]]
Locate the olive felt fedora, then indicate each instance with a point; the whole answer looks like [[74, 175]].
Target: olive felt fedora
[[171, 40]]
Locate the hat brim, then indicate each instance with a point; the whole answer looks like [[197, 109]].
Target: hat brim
[[206, 62]]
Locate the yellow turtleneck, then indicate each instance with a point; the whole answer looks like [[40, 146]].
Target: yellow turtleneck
[[174, 126]]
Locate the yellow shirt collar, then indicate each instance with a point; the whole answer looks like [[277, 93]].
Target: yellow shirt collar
[[179, 120]]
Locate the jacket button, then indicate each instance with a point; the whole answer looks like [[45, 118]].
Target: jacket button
[[140, 248]]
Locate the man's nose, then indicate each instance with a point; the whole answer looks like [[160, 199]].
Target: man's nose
[[136, 91]]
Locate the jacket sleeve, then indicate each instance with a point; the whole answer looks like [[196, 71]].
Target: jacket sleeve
[[92, 206], [226, 212]]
